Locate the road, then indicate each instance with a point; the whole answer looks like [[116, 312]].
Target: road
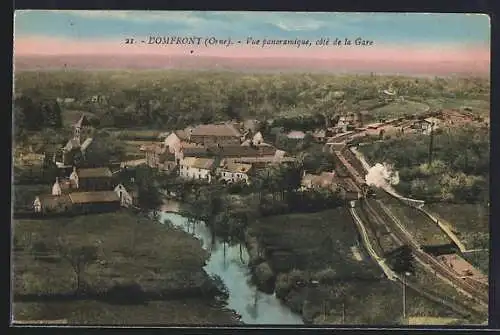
[[366, 239]]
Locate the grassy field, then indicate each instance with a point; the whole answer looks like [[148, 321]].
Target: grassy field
[[480, 259], [478, 106], [469, 221], [398, 109], [91, 312], [131, 250], [132, 148], [311, 241], [70, 116], [136, 134], [302, 253], [24, 195], [418, 224]]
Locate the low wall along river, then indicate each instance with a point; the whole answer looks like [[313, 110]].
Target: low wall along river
[[254, 306]]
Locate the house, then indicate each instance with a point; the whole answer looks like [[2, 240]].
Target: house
[[233, 151], [175, 140], [325, 180], [426, 124], [197, 168], [167, 161], [320, 135], [463, 268], [127, 199], [258, 139], [210, 134], [133, 163], [296, 135], [192, 150], [153, 152], [94, 202], [57, 202], [93, 179], [74, 145], [231, 172]]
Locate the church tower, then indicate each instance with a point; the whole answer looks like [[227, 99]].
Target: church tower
[[82, 122]]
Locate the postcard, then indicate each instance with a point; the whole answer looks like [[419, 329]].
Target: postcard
[[181, 168]]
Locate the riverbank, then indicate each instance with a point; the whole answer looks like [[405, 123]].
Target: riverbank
[[127, 255], [230, 263]]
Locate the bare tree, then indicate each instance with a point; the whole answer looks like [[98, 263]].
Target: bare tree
[[79, 257]]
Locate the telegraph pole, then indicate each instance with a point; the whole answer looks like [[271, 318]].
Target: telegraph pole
[[404, 297], [343, 312], [431, 144]]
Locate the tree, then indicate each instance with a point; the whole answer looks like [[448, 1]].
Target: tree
[[149, 195], [401, 260], [78, 257], [103, 150]]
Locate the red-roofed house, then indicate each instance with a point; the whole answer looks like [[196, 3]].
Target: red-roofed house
[[210, 134]]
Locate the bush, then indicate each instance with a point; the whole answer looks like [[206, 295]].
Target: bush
[[326, 276]]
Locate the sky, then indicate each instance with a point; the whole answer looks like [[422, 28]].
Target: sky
[[461, 39]]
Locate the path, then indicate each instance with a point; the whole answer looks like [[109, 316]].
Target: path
[[366, 240]]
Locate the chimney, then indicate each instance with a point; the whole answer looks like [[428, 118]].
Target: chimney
[[56, 188]]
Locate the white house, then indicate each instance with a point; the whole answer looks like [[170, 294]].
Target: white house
[[126, 199], [233, 172], [74, 179], [173, 142], [196, 168], [296, 135], [258, 139]]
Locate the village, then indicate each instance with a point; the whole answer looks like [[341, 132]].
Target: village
[[228, 152], [236, 155]]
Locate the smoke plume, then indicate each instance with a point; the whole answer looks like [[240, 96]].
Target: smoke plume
[[382, 175]]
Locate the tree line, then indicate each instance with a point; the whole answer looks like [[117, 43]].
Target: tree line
[[459, 170], [175, 99]]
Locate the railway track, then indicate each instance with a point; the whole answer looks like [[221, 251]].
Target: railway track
[[381, 219], [475, 291], [376, 252]]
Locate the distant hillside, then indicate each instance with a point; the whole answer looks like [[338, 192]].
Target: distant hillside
[[195, 62]]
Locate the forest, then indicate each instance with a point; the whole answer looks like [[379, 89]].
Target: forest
[[459, 170], [175, 99]]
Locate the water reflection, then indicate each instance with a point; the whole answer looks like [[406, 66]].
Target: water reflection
[[229, 263]]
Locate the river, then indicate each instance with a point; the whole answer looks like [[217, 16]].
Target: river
[[254, 306]]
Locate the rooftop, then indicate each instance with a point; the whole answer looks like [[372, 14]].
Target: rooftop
[[463, 268], [100, 172], [182, 134], [233, 167], [154, 147], [93, 197], [325, 179], [243, 151], [203, 163], [71, 144], [216, 130], [193, 151], [53, 201], [296, 134], [82, 121]]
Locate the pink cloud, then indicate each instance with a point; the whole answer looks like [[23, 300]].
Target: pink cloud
[[453, 58]]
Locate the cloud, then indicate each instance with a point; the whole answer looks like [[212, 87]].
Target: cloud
[[298, 26]]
